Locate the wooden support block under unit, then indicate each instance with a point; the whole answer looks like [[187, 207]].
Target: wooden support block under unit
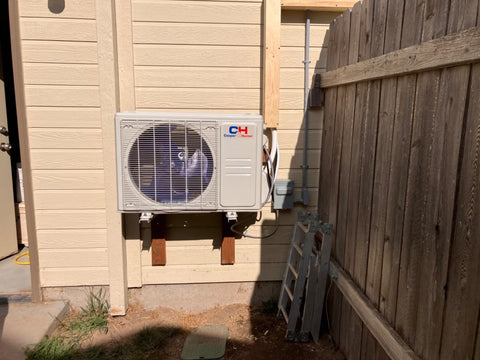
[[228, 244], [159, 243]]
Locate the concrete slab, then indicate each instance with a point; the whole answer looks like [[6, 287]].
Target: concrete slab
[[23, 325], [15, 278]]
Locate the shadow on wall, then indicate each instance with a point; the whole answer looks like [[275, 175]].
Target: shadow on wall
[[276, 247]]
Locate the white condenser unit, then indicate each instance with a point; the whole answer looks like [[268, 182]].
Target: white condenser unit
[[179, 162]]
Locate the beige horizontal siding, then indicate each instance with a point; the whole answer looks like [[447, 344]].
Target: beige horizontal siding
[[197, 55], [71, 117], [291, 99], [216, 77], [160, 98], [72, 238], [70, 219], [72, 95], [294, 35], [294, 139], [292, 78], [248, 99], [73, 258], [42, 159], [197, 77], [60, 138], [74, 9], [73, 276], [293, 119], [68, 179], [296, 175], [196, 12], [196, 34], [60, 74], [63, 115], [292, 57], [69, 199], [59, 52], [58, 29], [244, 254], [177, 274], [293, 159]]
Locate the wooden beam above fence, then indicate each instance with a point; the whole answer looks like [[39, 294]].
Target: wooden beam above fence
[[386, 336], [321, 5], [448, 51], [271, 60]]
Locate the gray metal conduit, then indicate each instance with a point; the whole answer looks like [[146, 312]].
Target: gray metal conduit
[[306, 64]]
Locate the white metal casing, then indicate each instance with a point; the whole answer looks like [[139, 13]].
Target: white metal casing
[[235, 144]]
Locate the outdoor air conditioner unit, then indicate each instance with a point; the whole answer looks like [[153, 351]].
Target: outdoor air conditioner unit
[[179, 162]]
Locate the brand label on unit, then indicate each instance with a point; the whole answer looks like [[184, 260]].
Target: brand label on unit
[[235, 131]]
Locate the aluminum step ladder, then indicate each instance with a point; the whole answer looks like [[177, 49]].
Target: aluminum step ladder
[[303, 288]]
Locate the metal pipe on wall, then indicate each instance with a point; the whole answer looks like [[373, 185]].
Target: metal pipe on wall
[[306, 63]]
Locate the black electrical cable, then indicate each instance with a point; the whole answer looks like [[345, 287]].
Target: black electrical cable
[[232, 228]]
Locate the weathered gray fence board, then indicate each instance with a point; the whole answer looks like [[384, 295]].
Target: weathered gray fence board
[[463, 288]]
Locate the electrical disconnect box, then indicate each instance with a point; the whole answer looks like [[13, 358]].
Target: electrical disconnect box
[[283, 197]]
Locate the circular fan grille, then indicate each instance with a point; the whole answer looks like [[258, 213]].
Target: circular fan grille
[[170, 163]]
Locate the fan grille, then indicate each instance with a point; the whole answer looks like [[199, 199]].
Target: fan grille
[[171, 163]]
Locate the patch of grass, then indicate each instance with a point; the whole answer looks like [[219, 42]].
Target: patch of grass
[[62, 347], [269, 306], [54, 348], [92, 317], [147, 344]]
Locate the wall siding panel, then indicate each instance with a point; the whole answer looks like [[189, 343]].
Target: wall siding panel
[[72, 238], [44, 95], [58, 29], [59, 52], [68, 179], [197, 55], [196, 34], [76, 9], [63, 115], [74, 276], [196, 12], [60, 74]]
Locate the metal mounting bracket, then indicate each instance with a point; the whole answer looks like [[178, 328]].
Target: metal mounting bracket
[[146, 217], [231, 215]]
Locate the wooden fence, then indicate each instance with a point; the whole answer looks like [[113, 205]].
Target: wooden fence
[[400, 173]]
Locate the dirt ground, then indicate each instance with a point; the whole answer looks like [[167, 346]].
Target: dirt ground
[[252, 333]]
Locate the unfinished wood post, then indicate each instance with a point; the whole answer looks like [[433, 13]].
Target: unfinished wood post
[[271, 62], [317, 5], [159, 242]]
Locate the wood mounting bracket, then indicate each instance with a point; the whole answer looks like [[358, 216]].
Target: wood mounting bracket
[[228, 243], [159, 243]]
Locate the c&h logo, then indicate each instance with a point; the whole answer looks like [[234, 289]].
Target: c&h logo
[[237, 131]]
